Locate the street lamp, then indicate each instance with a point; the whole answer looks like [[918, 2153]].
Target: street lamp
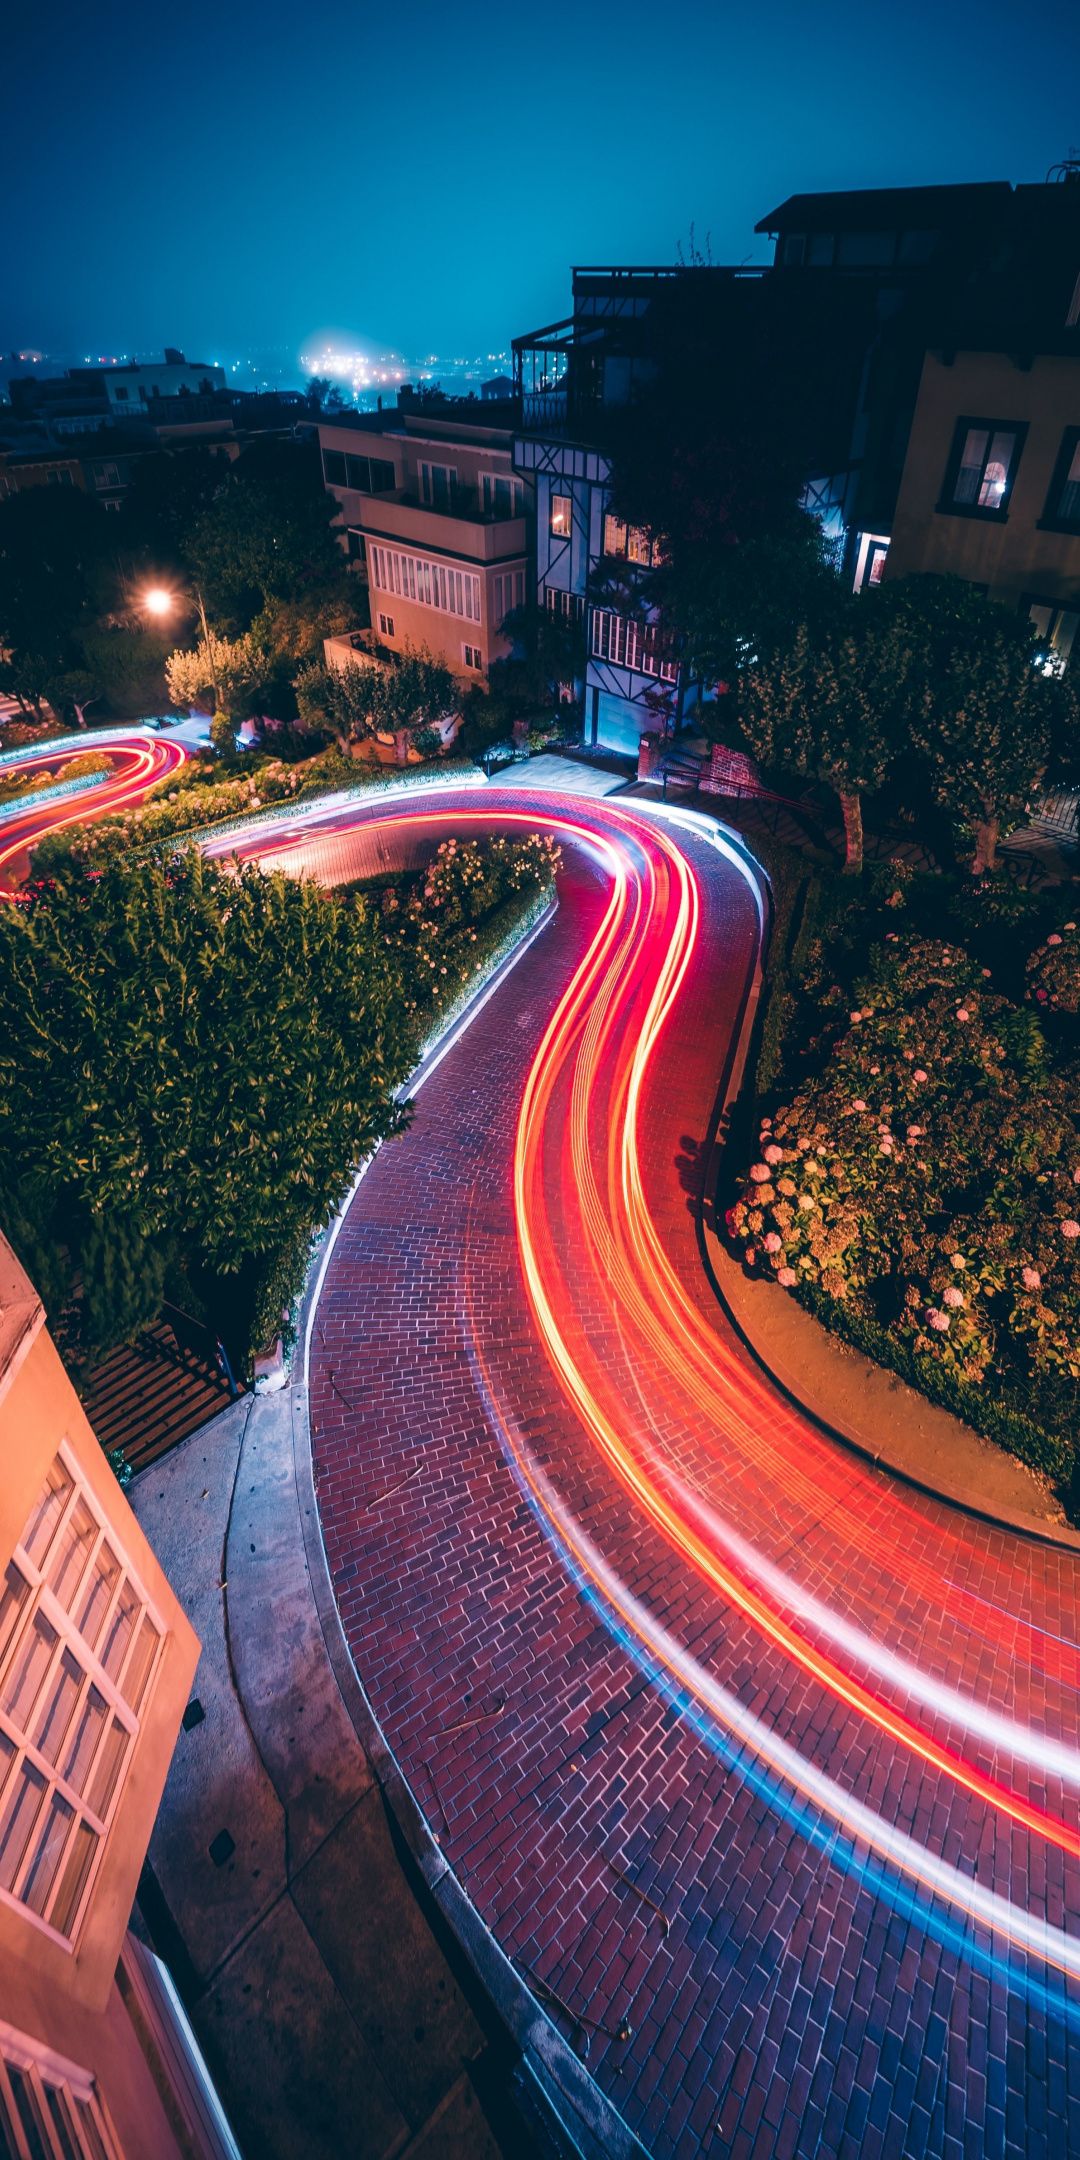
[[158, 600]]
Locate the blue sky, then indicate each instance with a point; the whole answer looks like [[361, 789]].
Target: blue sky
[[248, 175]]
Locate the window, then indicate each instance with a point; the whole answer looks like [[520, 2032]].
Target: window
[[473, 657], [633, 541], [48, 2105], [509, 593], [77, 1650], [501, 495], [334, 471], [632, 645], [873, 554], [1056, 628], [570, 605], [562, 510], [430, 584], [354, 543], [438, 484], [1062, 511], [386, 626], [820, 251], [794, 249], [982, 467], [366, 476], [106, 476], [59, 476]]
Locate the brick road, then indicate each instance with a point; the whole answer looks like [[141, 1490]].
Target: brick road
[[732, 1906]]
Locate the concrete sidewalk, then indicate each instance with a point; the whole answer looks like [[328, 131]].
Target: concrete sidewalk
[[329, 2011]]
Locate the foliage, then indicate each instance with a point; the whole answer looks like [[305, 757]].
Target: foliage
[[232, 665], [920, 1177], [267, 536], [407, 695], [1054, 971], [965, 692], [817, 708], [190, 1060]]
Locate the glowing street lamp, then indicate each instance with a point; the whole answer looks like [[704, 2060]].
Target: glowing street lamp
[[159, 601]]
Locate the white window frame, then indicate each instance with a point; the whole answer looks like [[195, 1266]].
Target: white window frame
[[571, 606], [71, 1645], [75, 2090], [473, 658], [509, 593], [444, 587], [386, 625], [631, 645]]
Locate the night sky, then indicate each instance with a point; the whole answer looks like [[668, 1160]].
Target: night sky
[[244, 176]]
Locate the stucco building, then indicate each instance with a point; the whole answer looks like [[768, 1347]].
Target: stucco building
[[433, 514], [96, 1664]]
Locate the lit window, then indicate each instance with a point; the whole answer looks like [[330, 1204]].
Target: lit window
[[982, 467], [48, 2105], [1056, 628], [614, 535], [1063, 501], [561, 517], [77, 1649]]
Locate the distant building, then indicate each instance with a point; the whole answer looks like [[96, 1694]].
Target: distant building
[[97, 2061], [435, 517], [498, 389]]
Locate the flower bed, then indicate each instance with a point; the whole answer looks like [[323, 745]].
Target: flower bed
[[917, 1173]]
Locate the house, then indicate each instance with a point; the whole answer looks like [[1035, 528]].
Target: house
[[590, 569], [96, 1664], [436, 519], [990, 489], [900, 267]]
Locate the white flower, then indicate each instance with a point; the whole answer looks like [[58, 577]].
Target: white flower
[[939, 1321], [953, 1296], [771, 1241]]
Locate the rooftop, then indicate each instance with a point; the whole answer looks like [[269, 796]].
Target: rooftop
[[22, 1314], [870, 209]]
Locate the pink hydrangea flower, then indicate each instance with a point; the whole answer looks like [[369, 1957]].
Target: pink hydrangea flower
[[915, 1132], [1031, 1278], [786, 1276], [875, 1069], [766, 1124], [771, 1241], [939, 1321], [806, 1202], [962, 1013], [1076, 1175], [1070, 926], [885, 1146], [1069, 1228], [919, 1074], [957, 1260], [773, 1153], [855, 1016], [760, 1173], [909, 1054], [951, 1295], [858, 1103], [1054, 938]]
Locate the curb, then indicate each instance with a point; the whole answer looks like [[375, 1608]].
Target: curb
[[576, 2119], [718, 1262]]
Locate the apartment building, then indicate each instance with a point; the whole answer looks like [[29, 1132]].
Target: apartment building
[[97, 2061], [437, 520]]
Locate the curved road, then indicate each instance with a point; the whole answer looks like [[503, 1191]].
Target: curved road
[[763, 1772], [140, 758]]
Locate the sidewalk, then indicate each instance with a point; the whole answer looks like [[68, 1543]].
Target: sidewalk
[[329, 2012]]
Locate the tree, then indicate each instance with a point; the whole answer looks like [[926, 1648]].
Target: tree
[[193, 1065], [227, 666], [818, 709], [968, 694], [268, 534], [402, 697]]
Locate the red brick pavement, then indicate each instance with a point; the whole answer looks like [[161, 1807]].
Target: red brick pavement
[[779, 2004]]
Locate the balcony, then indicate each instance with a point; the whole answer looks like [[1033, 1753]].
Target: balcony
[[464, 529]]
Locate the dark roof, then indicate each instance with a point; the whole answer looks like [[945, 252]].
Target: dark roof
[[879, 209]]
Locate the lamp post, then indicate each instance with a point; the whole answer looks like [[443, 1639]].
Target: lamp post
[[158, 600]]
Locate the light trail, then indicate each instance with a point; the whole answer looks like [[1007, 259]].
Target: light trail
[[139, 760], [589, 1245]]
